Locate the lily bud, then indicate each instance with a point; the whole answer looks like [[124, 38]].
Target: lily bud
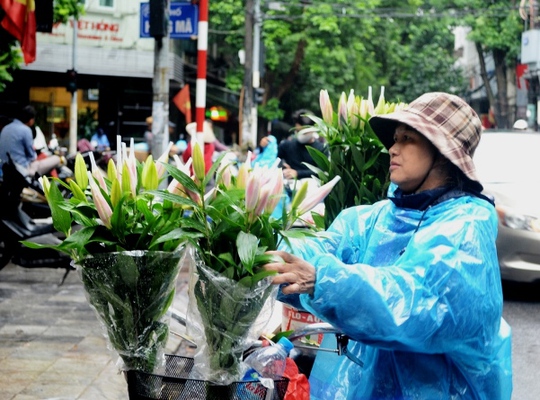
[[116, 192], [45, 184], [363, 112], [326, 107], [318, 196], [379, 109], [81, 175], [149, 175], [198, 162], [76, 190], [342, 110], [112, 174], [350, 102], [354, 111], [103, 208], [126, 180], [299, 196], [371, 107], [132, 167], [119, 153]]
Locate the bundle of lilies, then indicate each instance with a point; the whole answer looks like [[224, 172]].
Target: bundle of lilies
[[231, 227], [114, 216], [356, 154]]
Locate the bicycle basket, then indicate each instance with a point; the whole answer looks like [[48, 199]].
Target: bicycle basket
[[175, 384]]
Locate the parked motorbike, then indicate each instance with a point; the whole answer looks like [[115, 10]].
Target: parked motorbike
[[17, 225]]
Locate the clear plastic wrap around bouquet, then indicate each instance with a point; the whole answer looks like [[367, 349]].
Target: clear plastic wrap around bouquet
[[126, 243], [222, 319], [131, 292], [231, 228]]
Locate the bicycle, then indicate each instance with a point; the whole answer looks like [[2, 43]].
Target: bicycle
[[175, 383]]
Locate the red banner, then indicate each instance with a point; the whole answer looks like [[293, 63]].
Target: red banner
[[20, 21], [183, 102]]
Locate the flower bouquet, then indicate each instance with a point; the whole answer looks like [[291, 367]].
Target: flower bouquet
[[230, 228], [127, 245], [356, 154]]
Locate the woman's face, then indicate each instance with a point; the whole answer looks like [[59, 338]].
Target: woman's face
[[412, 158]]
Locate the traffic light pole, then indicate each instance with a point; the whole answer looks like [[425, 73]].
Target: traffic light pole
[[73, 106], [202, 56]]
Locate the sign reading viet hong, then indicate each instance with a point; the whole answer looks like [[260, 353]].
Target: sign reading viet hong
[[183, 18]]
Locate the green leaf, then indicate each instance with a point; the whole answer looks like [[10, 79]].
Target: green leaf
[[247, 245]]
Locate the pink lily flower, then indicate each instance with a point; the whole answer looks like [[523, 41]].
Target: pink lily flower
[[326, 107], [103, 208], [163, 159], [276, 192], [96, 172], [132, 166], [318, 196], [264, 196], [253, 188], [243, 172]]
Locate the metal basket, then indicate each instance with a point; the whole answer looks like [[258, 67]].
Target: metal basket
[[175, 384]]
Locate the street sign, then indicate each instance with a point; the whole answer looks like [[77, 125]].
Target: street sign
[[183, 18]]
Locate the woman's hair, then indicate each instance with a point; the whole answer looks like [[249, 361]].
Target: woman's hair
[[454, 176]]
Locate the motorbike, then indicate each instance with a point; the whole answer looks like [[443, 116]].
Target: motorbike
[[17, 225]]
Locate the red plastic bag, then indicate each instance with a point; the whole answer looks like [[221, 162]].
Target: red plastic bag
[[298, 388]]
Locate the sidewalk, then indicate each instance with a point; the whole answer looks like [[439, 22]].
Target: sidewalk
[[51, 344]]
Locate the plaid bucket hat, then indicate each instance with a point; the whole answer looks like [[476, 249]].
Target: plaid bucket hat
[[445, 120]]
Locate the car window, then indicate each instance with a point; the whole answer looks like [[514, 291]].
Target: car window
[[508, 157]]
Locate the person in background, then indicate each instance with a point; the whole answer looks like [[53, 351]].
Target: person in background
[[413, 280], [148, 136], [100, 141], [209, 139], [267, 151], [293, 153], [16, 139]]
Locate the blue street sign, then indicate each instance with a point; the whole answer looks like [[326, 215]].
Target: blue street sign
[[183, 18]]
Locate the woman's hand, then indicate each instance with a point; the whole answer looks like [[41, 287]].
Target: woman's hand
[[299, 275]]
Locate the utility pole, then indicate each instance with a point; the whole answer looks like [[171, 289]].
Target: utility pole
[[256, 68], [73, 112], [159, 29], [247, 113]]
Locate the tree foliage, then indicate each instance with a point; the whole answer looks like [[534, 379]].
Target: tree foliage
[[496, 29], [341, 44]]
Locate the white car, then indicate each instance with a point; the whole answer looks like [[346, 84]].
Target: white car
[[508, 165]]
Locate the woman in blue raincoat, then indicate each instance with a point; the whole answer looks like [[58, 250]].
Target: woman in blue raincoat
[[414, 279]]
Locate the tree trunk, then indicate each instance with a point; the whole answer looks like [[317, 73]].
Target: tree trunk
[[485, 79], [499, 57], [295, 68]]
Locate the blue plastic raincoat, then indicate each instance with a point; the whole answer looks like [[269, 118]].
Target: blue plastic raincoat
[[424, 308]]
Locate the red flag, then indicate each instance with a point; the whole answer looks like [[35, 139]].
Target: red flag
[[182, 101], [20, 21]]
